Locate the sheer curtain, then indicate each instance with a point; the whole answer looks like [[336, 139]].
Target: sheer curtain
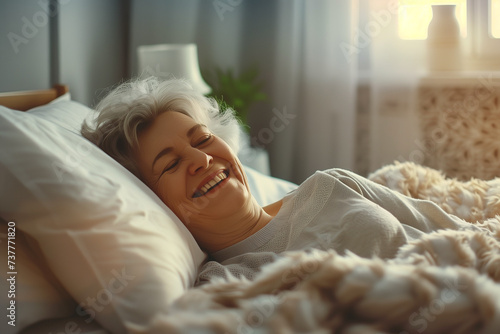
[[396, 66], [316, 81], [308, 120]]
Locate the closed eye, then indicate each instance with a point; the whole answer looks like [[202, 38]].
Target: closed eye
[[171, 165], [204, 140]]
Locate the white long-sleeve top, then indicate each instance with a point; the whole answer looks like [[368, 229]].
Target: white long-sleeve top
[[335, 209]]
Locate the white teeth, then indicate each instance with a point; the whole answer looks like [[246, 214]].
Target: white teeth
[[218, 178]]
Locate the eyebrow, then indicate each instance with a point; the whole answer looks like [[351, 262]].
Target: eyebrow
[[167, 150]]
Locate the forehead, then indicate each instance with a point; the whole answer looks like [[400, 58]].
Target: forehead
[[166, 128], [167, 124]]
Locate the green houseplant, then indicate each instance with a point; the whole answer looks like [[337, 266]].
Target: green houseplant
[[238, 92]]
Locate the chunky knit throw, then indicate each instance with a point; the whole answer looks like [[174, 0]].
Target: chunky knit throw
[[446, 282]]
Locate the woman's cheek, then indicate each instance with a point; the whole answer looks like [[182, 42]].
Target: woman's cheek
[[162, 192]]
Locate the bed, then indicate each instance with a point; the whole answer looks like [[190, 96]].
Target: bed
[[97, 252], [78, 222]]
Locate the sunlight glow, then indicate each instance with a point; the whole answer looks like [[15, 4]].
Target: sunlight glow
[[495, 12], [415, 15]]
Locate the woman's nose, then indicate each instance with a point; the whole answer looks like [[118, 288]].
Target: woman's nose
[[199, 161]]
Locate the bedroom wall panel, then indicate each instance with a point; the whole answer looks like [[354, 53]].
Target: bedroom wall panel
[[24, 45], [79, 43], [92, 49], [217, 34]]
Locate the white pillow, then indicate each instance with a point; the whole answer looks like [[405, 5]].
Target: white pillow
[[111, 243], [65, 113], [64, 97], [267, 189], [37, 294]]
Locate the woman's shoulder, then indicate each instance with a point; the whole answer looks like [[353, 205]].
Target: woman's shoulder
[[339, 173], [331, 173]]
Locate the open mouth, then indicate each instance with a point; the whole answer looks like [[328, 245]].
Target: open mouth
[[212, 184]]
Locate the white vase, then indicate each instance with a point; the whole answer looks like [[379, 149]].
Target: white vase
[[443, 40]]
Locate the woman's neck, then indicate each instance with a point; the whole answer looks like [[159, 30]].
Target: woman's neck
[[237, 228]]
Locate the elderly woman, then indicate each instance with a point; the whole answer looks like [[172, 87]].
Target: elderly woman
[[184, 148]]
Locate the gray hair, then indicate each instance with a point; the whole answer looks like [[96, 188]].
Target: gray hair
[[134, 105]]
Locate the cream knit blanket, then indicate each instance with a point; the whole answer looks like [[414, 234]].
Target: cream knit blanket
[[446, 282]]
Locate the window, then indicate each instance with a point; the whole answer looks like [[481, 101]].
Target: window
[[495, 24], [479, 27], [415, 15]]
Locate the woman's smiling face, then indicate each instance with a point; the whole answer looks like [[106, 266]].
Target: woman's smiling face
[[194, 172]]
